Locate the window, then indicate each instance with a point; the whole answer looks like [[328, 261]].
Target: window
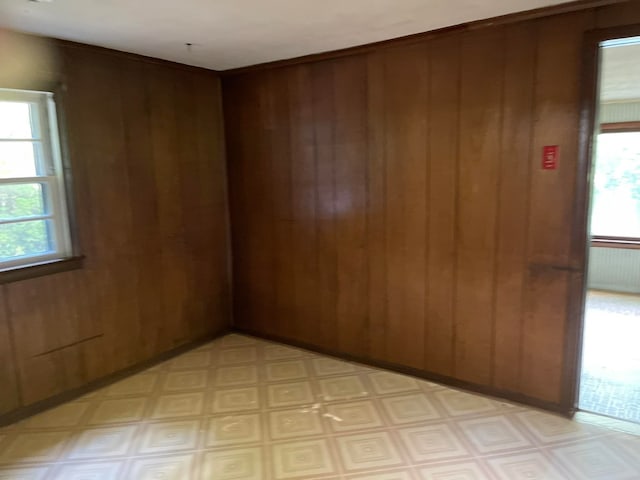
[[616, 194], [34, 227]]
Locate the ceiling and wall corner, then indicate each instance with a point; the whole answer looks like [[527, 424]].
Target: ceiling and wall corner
[[228, 34]]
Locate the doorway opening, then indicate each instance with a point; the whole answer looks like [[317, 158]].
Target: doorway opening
[[610, 373]]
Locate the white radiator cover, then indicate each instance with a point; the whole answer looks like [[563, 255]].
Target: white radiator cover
[[614, 269]]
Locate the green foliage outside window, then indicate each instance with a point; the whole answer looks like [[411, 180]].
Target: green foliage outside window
[[23, 238], [616, 193]]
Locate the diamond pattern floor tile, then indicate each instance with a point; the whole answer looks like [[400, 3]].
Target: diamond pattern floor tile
[[118, 411], [170, 437], [34, 447], [302, 459], [238, 464], [232, 430], [525, 466], [368, 451], [353, 416], [90, 471], [170, 467], [294, 423], [493, 434], [185, 381], [243, 408], [456, 471]]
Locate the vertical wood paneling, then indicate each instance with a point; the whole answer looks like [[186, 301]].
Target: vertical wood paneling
[[464, 243], [263, 202], [140, 171], [406, 87], [551, 204], [323, 98], [444, 98], [626, 13], [350, 173], [254, 299], [482, 64], [103, 140], [556, 119], [145, 145], [215, 285], [304, 206], [376, 206], [513, 206], [10, 398], [280, 176], [190, 196], [164, 143]]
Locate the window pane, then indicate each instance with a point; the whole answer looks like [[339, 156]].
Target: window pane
[[15, 120], [616, 195], [24, 239], [18, 159], [18, 200]]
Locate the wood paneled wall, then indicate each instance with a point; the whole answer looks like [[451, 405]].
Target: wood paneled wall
[[146, 146], [391, 205]]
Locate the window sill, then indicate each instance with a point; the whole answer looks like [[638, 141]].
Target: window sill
[[27, 272], [630, 244]]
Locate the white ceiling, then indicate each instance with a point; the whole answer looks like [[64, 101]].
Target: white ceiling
[[620, 79], [235, 33]]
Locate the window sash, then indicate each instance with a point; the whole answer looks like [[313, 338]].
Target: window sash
[[30, 260], [50, 175], [48, 198], [29, 218], [613, 234]]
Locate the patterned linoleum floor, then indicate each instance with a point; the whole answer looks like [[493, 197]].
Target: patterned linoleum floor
[[240, 408], [610, 379]]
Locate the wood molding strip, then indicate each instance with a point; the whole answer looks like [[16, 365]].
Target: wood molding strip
[[51, 402], [620, 127], [629, 245], [40, 269], [420, 37], [131, 56], [496, 393]]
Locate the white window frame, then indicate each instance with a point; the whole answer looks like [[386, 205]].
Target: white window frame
[[51, 177]]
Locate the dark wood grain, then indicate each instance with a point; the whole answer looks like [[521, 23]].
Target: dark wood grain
[[513, 205], [482, 66], [303, 214], [444, 101], [10, 398], [376, 209], [350, 170], [439, 241], [387, 203], [551, 205], [323, 103], [145, 144], [406, 88]]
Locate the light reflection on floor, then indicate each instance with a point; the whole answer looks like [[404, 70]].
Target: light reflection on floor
[[240, 408]]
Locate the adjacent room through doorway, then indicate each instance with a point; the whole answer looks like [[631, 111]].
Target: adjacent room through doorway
[[610, 380]]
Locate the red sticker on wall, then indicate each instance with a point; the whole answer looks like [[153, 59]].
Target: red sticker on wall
[[550, 157]]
